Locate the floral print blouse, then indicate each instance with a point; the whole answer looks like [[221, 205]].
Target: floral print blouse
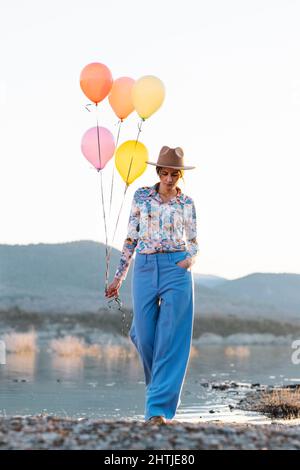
[[156, 226]]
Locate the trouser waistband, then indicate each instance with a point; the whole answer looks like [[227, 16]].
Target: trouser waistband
[[166, 255]]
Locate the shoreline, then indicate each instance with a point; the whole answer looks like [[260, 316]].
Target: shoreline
[[114, 322]]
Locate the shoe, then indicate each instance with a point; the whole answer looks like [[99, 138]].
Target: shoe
[[157, 420]]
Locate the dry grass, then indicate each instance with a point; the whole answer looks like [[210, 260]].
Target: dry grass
[[73, 346], [20, 343], [281, 403]]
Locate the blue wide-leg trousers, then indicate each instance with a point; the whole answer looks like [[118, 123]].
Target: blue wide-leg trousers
[[162, 327]]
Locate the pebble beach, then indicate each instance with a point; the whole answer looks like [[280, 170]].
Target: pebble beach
[[48, 432]]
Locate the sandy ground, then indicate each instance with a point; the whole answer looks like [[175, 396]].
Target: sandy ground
[[48, 432]]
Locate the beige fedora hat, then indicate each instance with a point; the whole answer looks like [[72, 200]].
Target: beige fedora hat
[[171, 158]]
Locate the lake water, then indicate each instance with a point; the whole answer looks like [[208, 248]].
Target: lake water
[[112, 386]]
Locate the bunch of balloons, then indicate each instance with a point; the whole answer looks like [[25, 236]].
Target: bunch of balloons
[[125, 95]]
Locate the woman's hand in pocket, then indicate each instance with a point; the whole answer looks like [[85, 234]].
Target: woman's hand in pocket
[[184, 263]]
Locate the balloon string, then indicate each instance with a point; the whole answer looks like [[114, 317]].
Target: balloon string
[[110, 202], [89, 104], [116, 225], [136, 141], [103, 205], [107, 252], [127, 185], [113, 172], [117, 298]]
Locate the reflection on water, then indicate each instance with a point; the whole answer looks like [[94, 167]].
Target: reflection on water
[[67, 367], [110, 384], [238, 351], [21, 364], [194, 352]]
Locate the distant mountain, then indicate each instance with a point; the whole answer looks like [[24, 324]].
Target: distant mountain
[[281, 290], [56, 277], [208, 280], [69, 277]]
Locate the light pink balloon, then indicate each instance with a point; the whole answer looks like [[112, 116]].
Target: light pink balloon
[[90, 148]]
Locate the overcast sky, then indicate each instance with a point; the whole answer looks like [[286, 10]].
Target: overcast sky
[[232, 75]]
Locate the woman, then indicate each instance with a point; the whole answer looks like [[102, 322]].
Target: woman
[[162, 283]]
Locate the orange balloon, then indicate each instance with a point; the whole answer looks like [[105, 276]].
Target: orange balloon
[[96, 81], [120, 97]]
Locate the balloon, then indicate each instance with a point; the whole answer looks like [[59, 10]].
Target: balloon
[[96, 81], [120, 97], [148, 94], [131, 152], [90, 148]]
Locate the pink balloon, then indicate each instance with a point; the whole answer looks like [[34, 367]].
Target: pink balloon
[[90, 147]]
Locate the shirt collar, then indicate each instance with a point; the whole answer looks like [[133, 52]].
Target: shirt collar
[[155, 194]]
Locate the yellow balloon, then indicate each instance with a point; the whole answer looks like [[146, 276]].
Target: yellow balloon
[[148, 94], [130, 160]]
